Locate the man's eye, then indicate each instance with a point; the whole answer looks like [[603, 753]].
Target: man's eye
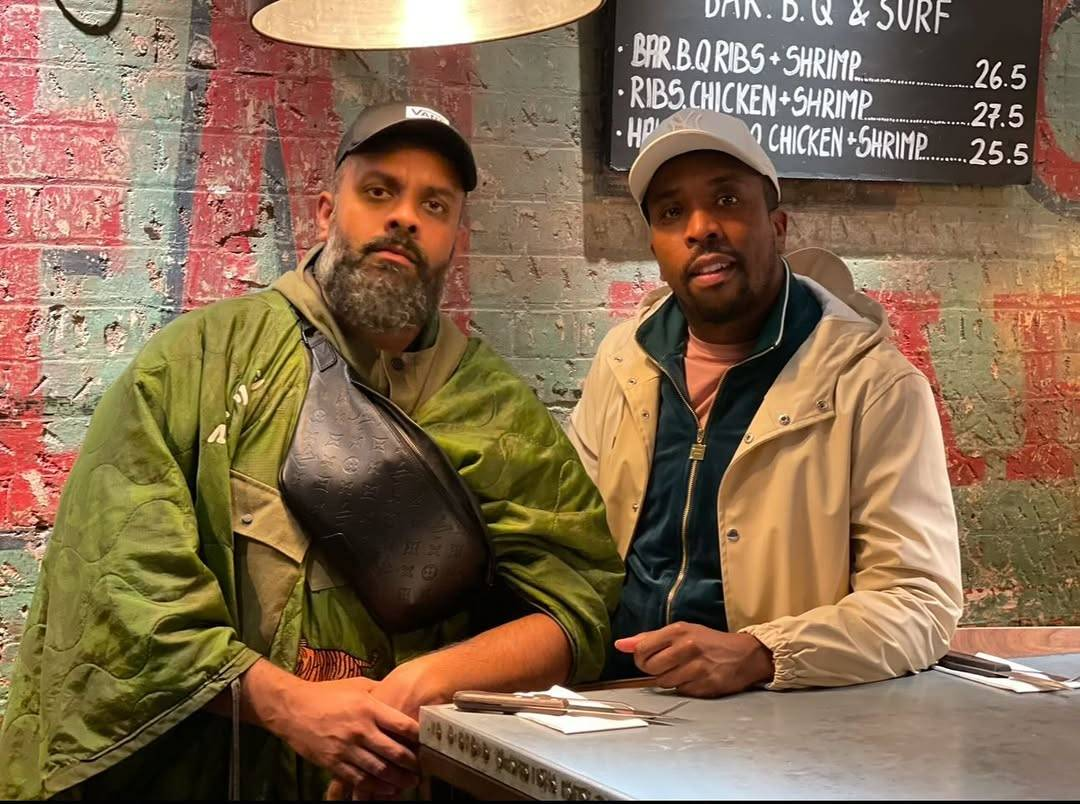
[[727, 200], [670, 213], [436, 206], [378, 192]]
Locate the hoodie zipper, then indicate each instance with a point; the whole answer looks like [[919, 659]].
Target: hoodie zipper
[[697, 455]]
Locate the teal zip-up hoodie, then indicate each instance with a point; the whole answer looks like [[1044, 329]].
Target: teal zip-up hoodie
[[673, 566]]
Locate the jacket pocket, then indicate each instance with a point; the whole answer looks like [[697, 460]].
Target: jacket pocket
[[270, 549]]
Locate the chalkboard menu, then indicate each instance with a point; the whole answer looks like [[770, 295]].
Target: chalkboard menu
[[918, 90]]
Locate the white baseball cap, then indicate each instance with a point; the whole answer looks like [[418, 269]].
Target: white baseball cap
[[697, 130]]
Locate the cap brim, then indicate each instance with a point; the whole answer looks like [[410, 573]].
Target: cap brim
[[443, 138], [677, 143]]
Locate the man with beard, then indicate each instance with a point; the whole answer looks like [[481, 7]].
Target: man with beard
[[773, 468], [180, 596]]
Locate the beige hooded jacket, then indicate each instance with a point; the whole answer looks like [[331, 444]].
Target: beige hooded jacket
[[837, 534]]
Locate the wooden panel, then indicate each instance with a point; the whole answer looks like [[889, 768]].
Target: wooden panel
[[1013, 642]]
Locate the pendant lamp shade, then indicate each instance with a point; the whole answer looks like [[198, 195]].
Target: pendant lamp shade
[[398, 24]]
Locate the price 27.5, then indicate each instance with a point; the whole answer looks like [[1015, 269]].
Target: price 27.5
[[993, 153], [990, 115]]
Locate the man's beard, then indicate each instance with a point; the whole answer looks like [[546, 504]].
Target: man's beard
[[364, 291], [742, 293]]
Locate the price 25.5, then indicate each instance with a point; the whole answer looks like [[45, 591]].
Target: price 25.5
[[993, 153]]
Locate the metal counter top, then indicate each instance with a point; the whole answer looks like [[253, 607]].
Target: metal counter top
[[925, 736]]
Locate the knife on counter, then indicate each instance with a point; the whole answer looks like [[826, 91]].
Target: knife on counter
[[968, 663], [476, 701]]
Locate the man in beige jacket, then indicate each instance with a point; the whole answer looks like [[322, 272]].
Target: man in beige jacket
[[773, 467]]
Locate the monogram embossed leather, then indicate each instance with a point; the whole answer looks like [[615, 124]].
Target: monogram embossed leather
[[382, 501]]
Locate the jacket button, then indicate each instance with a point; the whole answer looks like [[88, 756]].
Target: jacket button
[[618, 359], [632, 381], [634, 506], [397, 364], [247, 519], [785, 420], [822, 404], [733, 535], [748, 438], [644, 414]]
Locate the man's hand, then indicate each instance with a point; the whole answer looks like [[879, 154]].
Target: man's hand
[[368, 790], [341, 726], [529, 653], [416, 683], [408, 687], [699, 661]]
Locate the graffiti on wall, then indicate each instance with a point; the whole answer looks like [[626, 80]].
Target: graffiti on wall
[[177, 159]]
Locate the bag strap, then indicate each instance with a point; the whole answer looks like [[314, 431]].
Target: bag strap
[[323, 353]]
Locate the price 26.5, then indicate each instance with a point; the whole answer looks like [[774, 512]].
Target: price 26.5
[[990, 75]]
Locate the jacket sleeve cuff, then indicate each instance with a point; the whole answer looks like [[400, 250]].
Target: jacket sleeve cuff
[[785, 674], [586, 651]]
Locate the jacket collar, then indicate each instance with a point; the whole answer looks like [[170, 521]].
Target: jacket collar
[[805, 389], [663, 334]]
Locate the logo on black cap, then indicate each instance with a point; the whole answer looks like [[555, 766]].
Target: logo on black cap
[[424, 112]]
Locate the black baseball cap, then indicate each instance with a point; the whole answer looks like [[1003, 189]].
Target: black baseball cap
[[419, 121]]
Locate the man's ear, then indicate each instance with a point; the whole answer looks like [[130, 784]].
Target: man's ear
[[779, 220], [324, 213]]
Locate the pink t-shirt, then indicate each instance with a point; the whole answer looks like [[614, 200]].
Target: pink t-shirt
[[706, 364]]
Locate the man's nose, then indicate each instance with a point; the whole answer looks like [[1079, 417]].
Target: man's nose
[[703, 228], [403, 216]]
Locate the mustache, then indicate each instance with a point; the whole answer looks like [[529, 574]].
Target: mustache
[[711, 247], [397, 242]]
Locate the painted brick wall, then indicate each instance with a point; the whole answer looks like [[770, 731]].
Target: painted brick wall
[[171, 157]]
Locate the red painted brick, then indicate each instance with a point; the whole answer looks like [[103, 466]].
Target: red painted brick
[[910, 315], [42, 153], [82, 215], [624, 297], [18, 30], [241, 49], [1040, 322], [19, 275], [18, 87]]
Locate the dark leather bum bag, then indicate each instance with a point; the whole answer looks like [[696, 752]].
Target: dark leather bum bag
[[381, 501]]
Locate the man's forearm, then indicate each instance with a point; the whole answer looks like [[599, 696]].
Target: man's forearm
[[529, 653], [532, 652]]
